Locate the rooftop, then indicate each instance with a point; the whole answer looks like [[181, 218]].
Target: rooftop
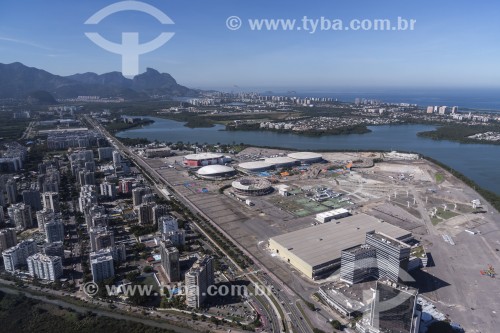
[[319, 244], [203, 156]]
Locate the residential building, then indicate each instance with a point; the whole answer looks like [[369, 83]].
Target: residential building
[[33, 199], [20, 214], [11, 190], [44, 216], [54, 231], [145, 213], [15, 257], [108, 190], [8, 238], [102, 265], [51, 201], [167, 223], [101, 238], [45, 267], [198, 279], [170, 261]]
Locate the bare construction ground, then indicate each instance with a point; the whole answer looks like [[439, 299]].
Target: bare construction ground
[[412, 194]]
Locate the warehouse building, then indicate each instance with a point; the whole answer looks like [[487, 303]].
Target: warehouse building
[[332, 215], [316, 251]]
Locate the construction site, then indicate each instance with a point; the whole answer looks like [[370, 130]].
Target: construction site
[[458, 229]]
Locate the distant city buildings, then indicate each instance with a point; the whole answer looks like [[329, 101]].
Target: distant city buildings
[[73, 139]]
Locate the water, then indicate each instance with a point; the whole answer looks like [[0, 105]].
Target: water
[[479, 162]]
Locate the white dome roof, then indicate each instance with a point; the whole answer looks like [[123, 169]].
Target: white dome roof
[[305, 156], [255, 165], [214, 170]]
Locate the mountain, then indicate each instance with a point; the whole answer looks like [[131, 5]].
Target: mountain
[[20, 81]]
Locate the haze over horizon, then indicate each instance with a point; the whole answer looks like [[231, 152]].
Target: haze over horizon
[[454, 45]]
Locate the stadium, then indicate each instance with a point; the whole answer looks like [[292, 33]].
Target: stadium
[[214, 172], [252, 186], [306, 157], [203, 159]]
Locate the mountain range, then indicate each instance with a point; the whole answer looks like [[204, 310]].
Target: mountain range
[[20, 81]]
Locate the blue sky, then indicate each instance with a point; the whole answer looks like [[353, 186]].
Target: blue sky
[[455, 43]]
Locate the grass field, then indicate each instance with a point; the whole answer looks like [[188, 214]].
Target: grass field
[[439, 177], [301, 206]]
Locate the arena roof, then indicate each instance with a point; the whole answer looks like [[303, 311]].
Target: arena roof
[[256, 165], [305, 156], [203, 156], [323, 243], [280, 160], [214, 170], [251, 184]]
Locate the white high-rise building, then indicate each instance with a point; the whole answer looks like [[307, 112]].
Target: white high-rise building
[[50, 200], [101, 238], [16, 256], [44, 216], [170, 261], [108, 189], [117, 159], [198, 279], [168, 223], [102, 265], [45, 267]]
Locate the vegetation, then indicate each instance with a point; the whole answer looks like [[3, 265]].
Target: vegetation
[[21, 314], [460, 133], [440, 327], [439, 177], [337, 325], [119, 126], [10, 128], [489, 196], [134, 141]]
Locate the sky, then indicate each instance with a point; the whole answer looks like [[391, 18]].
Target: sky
[[455, 44]]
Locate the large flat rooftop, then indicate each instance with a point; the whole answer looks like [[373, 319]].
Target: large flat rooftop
[[319, 244]]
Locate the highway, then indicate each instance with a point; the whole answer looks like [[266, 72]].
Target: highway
[[273, 316]]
